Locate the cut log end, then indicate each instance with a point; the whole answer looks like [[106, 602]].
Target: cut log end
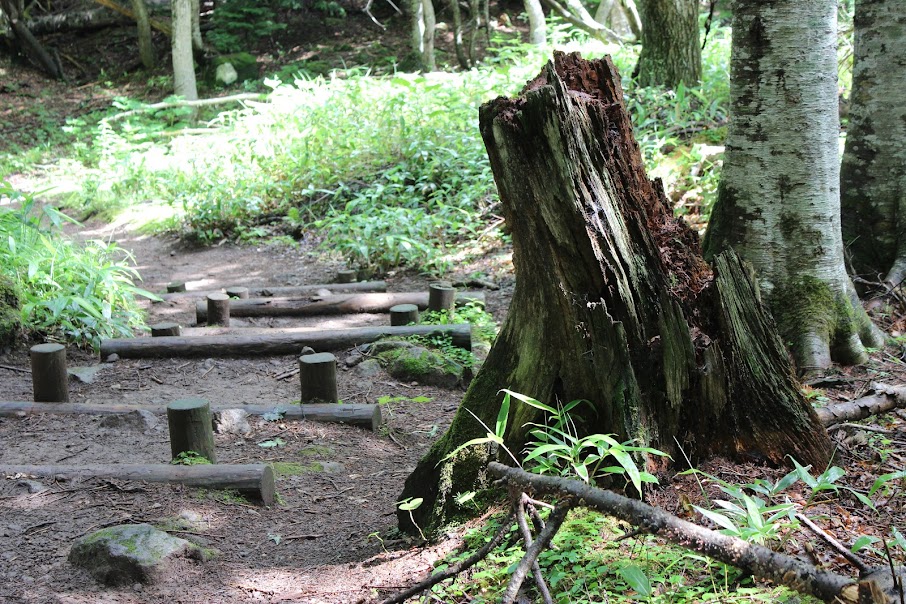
[[218, 307], [165, 329], [403, 314], [174, 287], [318, 377], [50, 380], [191, 429]]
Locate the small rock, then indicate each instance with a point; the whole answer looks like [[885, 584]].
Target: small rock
[[232, 421], [31, 486], [112, 358], [306, 350], [131, 553], [367, 369], [140, 420], [86, 375], [323, 292]]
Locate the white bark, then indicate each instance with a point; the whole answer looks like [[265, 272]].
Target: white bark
[[197, 41], [873, 179], [537, 24], [183, 62], [143, 25], [429, 23], [779, 201]]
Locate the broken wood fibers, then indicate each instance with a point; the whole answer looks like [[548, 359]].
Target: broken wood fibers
[[613, 302]]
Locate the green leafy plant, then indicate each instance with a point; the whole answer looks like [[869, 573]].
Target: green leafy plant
[[190, 458], [79, 293], [484, 327], [409, 505], [827, 482]]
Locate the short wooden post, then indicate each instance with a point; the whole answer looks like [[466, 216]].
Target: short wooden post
[[238, 292], [218, 310], [441, 296], [176, 286], [403, 314], [347, 276], [318, 375], [191, 429], [49, 379], [165, 329]]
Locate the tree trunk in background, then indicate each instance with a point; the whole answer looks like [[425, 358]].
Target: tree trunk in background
[[610, 14], [183, 62], [197, 40], [143, 25], [632, 16], [537, 24], [28, 44], [873, 174], [423, 24], [671, 49], [613, 303], [778, 202]]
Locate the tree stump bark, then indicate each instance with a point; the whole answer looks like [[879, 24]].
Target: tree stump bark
[[165, 329], [218, 307], [403, 314], [50, 381], [441, 296], [241, 293], [174, 287], [613, 304], [318, 375], [191, 429]]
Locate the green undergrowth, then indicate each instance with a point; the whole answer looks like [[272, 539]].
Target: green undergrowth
[[79, 293], [588, 565], [387, 171]]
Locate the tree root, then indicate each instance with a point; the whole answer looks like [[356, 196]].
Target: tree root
[[885, 398]]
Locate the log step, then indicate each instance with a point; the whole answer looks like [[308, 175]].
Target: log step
[[262, 291], [255, 481], [363, 416], [280, 343], [335, 304]]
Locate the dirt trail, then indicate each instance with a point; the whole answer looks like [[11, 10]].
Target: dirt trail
[[327, 540]]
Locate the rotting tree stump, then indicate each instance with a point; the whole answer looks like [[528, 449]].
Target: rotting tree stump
[[613, 304], [334, 304]]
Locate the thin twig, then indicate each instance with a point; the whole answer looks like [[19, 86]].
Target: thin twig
[[841, 549], [554, 521], [519, 501], [454, 570], [19, 369]]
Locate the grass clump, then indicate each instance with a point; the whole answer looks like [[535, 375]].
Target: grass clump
[[67, 291]]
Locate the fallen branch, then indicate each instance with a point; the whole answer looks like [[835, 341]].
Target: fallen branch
[[452, 571], [756, 560], [886, 398], [219, 100]]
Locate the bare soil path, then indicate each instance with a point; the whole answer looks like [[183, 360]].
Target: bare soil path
[[329, 539]]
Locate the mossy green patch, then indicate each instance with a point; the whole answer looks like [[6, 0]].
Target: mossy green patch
[[806, 306], [286, 468], [315, 451], [10, 316]]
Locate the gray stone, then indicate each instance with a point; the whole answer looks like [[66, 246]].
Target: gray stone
[[306, 350], [226, 74], [367, 369], [140, 420], [112, 358], [86, 375], [232, 421], [131, 553], [31, 486]]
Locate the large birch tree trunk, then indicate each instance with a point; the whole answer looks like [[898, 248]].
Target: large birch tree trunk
[[873, 174], [779, 202], [671, 50], [537, 23], [613, 302], [183, 62], [143, 26]]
